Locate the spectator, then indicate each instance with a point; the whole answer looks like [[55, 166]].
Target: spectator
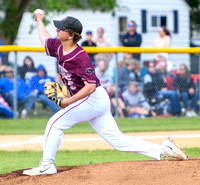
[[132, 38], [103, 74], [127, 73], [185, 85], [5, 110], [169, 64], [4, 63], [121, 106], [57, 78], [101, 42], [28, 67], [1, 54], [126, 56], [163, 41], [89, 42], [2, 69], [24, 95], [37, 84], [155, 85], [136, 103], [168, 77]]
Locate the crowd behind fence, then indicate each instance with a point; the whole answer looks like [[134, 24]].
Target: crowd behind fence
[[137, 89]]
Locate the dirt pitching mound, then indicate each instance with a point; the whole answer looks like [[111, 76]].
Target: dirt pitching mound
[[115, 173]]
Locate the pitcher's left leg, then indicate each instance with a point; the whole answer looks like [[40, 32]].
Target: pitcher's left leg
[[107, 128]]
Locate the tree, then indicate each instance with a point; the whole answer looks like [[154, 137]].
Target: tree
[[194, 14], [14, 10]]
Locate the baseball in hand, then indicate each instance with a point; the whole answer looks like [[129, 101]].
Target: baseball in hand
[[38, 11]]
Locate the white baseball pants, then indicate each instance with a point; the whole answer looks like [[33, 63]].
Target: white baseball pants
[[95, 109]]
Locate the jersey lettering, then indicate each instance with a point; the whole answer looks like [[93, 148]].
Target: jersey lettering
[[67, 76]]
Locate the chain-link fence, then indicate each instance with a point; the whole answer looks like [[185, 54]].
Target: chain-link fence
[[159, 84]]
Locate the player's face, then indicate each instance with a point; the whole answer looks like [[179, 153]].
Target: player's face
[[161, 32], [102, 65], [63, 35], [131, 26], [9, 73], [182, 70], [152, 68], [41, 73], [132, 89], [89, 37], [99, 33], [28, 62]]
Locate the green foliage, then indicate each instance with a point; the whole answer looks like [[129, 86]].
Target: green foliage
[[11, 161], [14, 10], [37, 126], [193, 3], [194, 13]]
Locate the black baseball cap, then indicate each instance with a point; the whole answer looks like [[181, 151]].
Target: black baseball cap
[[70, 23]]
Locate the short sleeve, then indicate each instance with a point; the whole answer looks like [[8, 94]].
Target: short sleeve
[[86, 71], [51, 46]]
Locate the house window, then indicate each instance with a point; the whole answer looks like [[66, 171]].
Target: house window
[[158, 18], [163, 21], [154, 21], [158, 21], [122, 26]]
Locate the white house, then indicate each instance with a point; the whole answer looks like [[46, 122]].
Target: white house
[[148, 14]]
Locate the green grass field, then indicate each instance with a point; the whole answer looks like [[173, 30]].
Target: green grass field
[[11, 161], [37, 126]]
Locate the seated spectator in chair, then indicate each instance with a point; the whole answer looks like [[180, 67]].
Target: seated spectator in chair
[[37, 84], [127, 74], [25, 96], [165, 57], [3, 65], [28, 67], [136, 103], [103, 74], [168, 77], [155, 85], [183, 82], [125, 57]]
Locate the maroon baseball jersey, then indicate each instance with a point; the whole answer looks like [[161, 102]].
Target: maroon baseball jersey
[[75, 67]]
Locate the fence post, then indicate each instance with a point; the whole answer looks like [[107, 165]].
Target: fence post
[[116, 85], [198, 83], [15, 87]]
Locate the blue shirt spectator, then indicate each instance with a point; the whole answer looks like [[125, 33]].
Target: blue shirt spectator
[[24, 95], [7, 85], [37, 83], [132, 38]]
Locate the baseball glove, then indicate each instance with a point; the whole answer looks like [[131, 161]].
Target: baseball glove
[[55, 92]]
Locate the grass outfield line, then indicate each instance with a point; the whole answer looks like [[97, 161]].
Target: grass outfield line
[[11, 161], [37, 126]]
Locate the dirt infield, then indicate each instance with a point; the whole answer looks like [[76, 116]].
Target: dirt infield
[[116, 173], [93, 141], [113, 173]]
